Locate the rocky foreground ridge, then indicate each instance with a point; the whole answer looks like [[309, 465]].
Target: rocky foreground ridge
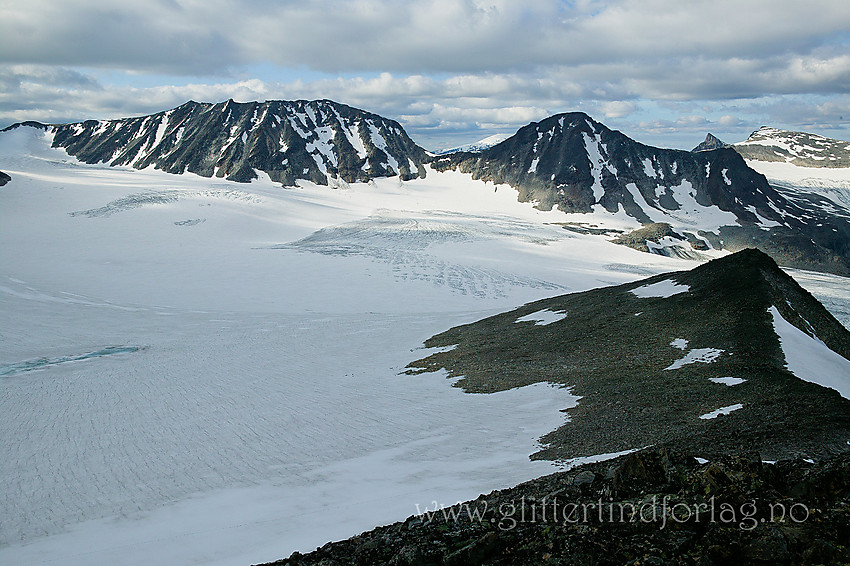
[[656, 507], [702, 493], [646, 357]]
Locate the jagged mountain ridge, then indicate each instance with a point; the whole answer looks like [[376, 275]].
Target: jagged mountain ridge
[[618, 348], [289, 140], [712, 197], [572, 162], [798, 148]]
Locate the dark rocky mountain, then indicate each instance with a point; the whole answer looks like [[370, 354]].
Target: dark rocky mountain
[[799, 148], [625, 354], [710, 198], [316, 140], [654, 507], [4, 178], [576, 164], [710, 142]]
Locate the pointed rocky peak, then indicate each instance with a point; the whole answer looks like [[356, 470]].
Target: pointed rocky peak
[[689, 356], [319, 141], [710, 142]]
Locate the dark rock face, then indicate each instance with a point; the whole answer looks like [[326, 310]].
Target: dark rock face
[[657, 506], [4, 178], [574, 163], [618, 351], [710, 142], [312, 140]]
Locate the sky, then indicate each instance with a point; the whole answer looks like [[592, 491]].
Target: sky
[[665, 72]]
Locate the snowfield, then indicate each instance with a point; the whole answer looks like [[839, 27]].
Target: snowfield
[[195, 371], [832, 183]]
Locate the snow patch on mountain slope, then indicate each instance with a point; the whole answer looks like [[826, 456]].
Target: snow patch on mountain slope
[[595, 148], [662, 289], [810, 359], [722, 411], [697, 355], [543, 317], [728, 381]]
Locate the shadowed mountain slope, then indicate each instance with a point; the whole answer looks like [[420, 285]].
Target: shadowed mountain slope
[[642, 356], [318, 141], [712, 198]]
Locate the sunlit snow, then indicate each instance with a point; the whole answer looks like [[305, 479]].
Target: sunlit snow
[[721, 411], [543, 317], [729, 381], [661, 290], [809, 359]]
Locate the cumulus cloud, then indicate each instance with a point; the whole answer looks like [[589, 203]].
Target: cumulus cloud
[[449, 70], [617, 108], [415, 36]]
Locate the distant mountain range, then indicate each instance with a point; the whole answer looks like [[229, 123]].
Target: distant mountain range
[[480, 145], [707, 198]]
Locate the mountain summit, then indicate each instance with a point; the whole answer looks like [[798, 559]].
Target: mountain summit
[[798, 148], [318, 141], [711, 198], [710, 142], [572, 162]]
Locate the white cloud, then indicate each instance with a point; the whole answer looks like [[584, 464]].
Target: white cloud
[[617, 108], [450, 70], [410, 37], [727, 120]]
